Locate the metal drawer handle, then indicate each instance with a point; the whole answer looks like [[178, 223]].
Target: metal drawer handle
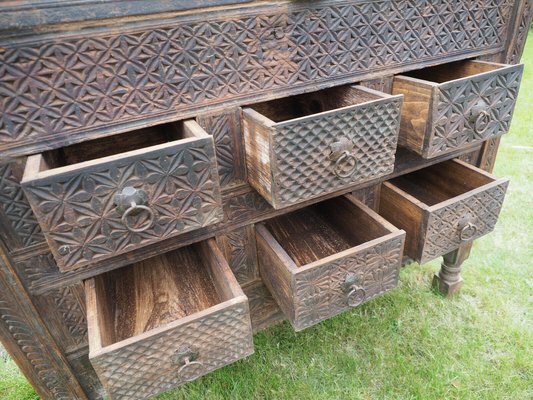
[[356, 294], [342, 154], [185, 357], [467, 229], [133, 201], [480, 117]]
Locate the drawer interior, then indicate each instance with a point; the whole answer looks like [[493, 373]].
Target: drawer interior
[[112, 145], [157, 291], [440, 182], [451, 71], [313, 103], [324, 229]]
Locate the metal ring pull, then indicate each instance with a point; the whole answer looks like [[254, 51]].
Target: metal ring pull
[[345, 158], [131, 201], [480, 117], [355, 294], [134, 209], [468, 232], [342, 153], [186, 357]]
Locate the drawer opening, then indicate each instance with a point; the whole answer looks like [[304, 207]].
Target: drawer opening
[[155, 292], [116, 144], [324, 229], [440, 182], [451, 71], [313, 103]]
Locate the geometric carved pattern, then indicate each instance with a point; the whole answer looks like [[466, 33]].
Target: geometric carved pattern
[[302, 149], [225, 129], [456, 99], [443, 225], [16, 210], [72, 311], [98, 78], [238, 247], [264, 310], [146, 367], [318, 291], [77, 212], [24, 335], [520, 36]]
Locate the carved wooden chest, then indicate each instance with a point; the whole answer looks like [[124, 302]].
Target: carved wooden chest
[[175, 175]]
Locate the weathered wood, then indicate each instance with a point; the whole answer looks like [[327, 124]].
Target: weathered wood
[[448, 280], [126, 74], [305, 146], [442, 207], [242, 207], [452, 106], [238, 246], [174, 189], [166, 321], [27, 340], [347, 256]]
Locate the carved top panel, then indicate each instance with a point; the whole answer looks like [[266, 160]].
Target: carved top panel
[[82, 224], [54, 90]]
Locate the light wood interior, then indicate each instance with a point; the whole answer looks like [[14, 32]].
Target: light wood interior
[[157, 291], [112, 145], [313, 103], [440, 182], [321, 230], [455, 70]]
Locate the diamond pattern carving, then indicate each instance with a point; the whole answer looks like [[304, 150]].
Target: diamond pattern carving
[[443, 226], [77, 212], [226, 130], [318, 293], [16, 209], [145, 367], [455, 101], [99, 78], [302, 148]]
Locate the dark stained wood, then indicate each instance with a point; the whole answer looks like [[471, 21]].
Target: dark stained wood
[[452, 106], [98, 75], [448, 280], [166, 321], [76, 204], [442, 207], [326, 258], [290, 51]]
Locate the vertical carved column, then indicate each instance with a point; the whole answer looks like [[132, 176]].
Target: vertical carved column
[[448, 280], [29, 343]]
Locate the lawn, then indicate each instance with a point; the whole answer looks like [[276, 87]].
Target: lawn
[[410, 343]]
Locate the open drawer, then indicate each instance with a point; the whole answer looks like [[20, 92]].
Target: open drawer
[[327, 258], [305, 146], [104, 197], [452, 106], [165, 321], [442, 207]]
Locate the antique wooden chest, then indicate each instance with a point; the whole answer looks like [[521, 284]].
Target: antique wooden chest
[[176, 176]]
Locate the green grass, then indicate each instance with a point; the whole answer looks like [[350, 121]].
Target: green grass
[[410, 343]]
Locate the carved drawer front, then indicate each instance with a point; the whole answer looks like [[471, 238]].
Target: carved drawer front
[[442, 207], [102, 198], [456, 105], [165, 321], [305, 146], [324, 259]]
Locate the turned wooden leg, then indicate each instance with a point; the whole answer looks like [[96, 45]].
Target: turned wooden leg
[[448, 280]]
